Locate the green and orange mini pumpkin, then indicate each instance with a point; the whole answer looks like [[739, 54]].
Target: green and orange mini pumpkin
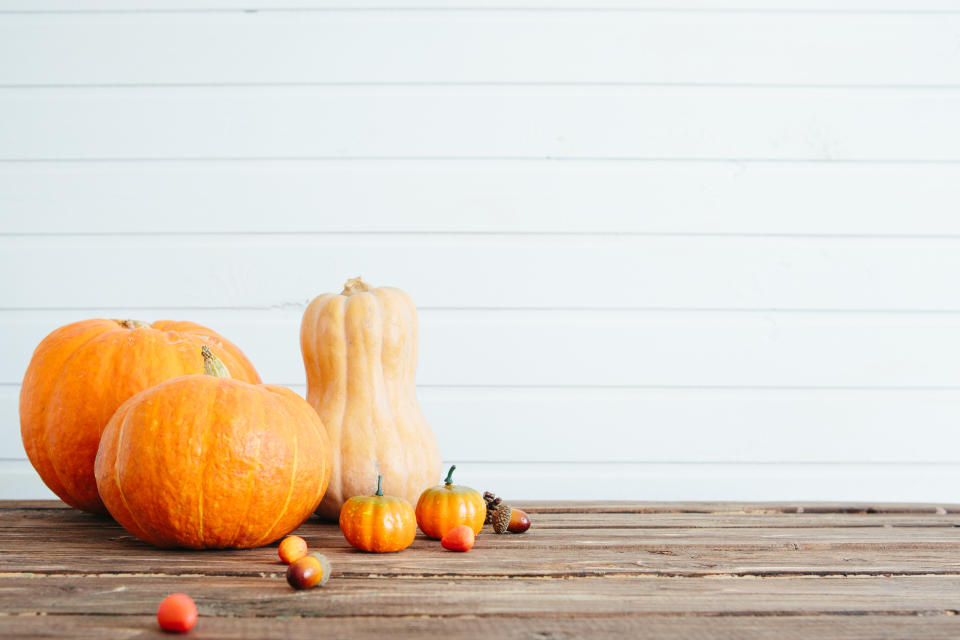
[[378, 523], [446, 506]]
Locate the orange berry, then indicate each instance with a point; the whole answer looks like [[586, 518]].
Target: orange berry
[[292, 548], [460, 538], [177, 613]]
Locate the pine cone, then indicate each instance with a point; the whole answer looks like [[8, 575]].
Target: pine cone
[[492, 503], [501, 518]]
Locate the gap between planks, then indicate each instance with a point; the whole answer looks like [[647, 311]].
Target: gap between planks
[[839, 627], [934, 595], [614, 506]]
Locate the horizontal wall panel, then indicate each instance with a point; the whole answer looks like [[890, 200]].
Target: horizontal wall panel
[[598, 348], [789, 6], [480, 196], [482, 122], [485, 271], [489, 47], [651, 481], [668, 425]]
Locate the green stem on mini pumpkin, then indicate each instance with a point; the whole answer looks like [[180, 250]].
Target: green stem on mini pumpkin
[[379, 486], [212, 365], [449, 479]]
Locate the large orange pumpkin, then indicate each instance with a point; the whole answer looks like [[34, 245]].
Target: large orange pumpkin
[[204, 461], [82, 372], [360, 352]]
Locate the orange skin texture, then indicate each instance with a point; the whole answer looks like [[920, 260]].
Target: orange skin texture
[[360, 353], [82, 372], [460, 538], [207, 462], [381, 524], [292, 548], [446, 506]]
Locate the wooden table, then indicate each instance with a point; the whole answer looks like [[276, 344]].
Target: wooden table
[[639, 570]]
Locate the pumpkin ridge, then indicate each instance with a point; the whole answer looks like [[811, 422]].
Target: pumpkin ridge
[[341, 303], [209, 408], [380, 392], [393, 389], [116, 469], [222, 394], [293, 481], [250, 484], [320, 430], [42, 453], [100, 337], [203, 474]]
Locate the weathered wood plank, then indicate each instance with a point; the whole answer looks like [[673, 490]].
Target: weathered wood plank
[[550, 520], [41, 518], [616, 506], [416, 628], [599, 570], [579, 540], [271, 596], [506, 563], [613, 506], [67, 541]]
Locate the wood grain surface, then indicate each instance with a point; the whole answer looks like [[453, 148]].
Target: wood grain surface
[[609, 569]]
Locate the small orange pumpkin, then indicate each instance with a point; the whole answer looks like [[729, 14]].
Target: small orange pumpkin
[[82, 372], [446, 506], [204, 461], [378, 523]]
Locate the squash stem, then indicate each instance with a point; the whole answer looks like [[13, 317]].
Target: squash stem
[[212, 365], [133, 324], [449, 479], [379, 485], [355, 285]]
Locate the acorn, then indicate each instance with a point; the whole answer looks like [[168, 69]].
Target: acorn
[[519, 521], [309, 571]]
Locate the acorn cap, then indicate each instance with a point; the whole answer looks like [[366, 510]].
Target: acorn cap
[[501, 517], [492, 503], [324, 567]]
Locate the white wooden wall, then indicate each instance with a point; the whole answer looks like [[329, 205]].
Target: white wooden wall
[[706, 249]]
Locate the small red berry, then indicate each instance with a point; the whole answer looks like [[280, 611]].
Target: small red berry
[[177, 613], [460, 538], [292, 548]]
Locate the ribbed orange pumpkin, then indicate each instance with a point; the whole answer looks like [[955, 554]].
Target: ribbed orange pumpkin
[[82, 372], [360, 352], [446, 506], [204, 461], [378, 523]]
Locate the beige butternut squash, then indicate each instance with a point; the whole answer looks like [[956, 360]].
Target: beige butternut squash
[[360, 352]]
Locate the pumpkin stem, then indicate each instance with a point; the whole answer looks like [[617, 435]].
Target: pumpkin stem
[[132, 324], [355, 285], [379, 485], [449, 479], [212, 366]]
